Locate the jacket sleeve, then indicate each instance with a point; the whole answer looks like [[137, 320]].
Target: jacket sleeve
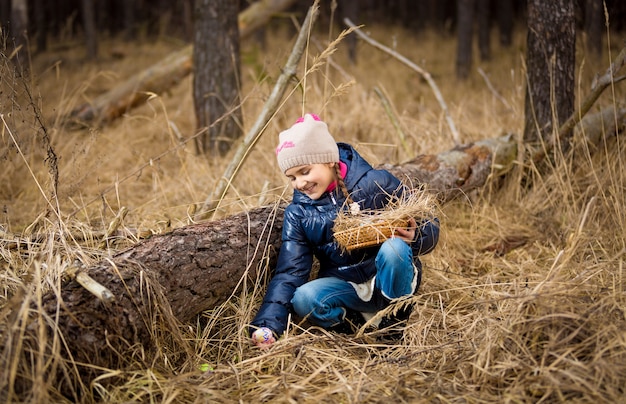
[[377, 189], [293, 268], [426, 237]]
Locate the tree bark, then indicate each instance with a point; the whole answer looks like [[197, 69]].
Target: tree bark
[[163, 75], [128, 16], [594, 18], [5, 14], [550, 65], [484, 29], [216, 78], [19, 29], [89, 24], [41, 20], [504, 11], [465, 33], [350, 9]]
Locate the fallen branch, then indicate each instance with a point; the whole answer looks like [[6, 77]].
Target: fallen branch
[[598, 86], [600, 83], [163, 75], [87, 282], [493, 90], [426, 75]]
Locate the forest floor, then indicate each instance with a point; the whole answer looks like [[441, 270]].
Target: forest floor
[[522, 300]]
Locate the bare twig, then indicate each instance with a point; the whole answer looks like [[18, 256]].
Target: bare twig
[[91, 285], [493, 90], [392, 116], [599, 84], [212, 202], [424, 73]]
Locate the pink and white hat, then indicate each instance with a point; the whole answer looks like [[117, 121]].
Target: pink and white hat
[[308, 141]]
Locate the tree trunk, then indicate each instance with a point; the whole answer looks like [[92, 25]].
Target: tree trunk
[[5, 14], [41, 20], [594, 18], [550, 65], [504, 10], [188, 19], [484, 29], [89, 24], [465, 33], [350, 9], [163, 75], [128, 12], [216, 76], [19, 29]]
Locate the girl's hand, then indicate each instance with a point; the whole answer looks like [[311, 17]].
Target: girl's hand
[[406, 233], [263, 337]]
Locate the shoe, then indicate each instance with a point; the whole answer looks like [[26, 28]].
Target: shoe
[[393, 325], [352, 321]]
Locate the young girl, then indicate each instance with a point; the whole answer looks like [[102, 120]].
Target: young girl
[[324, 175]]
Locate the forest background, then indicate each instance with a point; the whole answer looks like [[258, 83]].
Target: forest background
[[523, 300]]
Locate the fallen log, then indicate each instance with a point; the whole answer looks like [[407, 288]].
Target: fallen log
[[461, 169], [163, 75]]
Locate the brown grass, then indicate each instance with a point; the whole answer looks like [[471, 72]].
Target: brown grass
[[522, 301]]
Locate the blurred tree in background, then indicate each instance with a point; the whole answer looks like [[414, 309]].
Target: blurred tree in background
[[216, 77], [550, 64], [53, 20]]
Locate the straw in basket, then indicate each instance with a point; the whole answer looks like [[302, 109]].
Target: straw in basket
[[368, 233], [355, 228]]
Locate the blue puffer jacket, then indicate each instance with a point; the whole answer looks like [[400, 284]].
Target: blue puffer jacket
[[307, 232]]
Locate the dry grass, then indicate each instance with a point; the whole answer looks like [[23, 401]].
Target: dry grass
[[522, 301]]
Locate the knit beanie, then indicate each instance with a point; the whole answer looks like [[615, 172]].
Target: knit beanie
[[306, 142]]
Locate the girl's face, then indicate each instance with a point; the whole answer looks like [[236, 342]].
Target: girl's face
[[312, 179]]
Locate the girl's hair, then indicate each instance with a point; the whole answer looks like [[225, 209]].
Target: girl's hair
[[342, 185]]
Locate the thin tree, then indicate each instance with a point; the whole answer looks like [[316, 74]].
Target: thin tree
[[594, 19], [550, 63], [40, 8], [504, 12], [465, 32], [216, 64], [484, 29], [350, 9], [19, 28], [128, 15], [470, 13], [89, 24], [5, 15]]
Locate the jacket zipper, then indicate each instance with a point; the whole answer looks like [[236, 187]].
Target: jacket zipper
[[332, 197]]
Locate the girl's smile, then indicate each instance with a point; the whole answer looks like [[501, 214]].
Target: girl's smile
[[312, 179]]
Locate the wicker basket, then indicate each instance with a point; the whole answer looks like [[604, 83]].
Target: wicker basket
[[368, 234]]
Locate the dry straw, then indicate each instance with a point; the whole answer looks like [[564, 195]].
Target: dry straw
[[355, 228], [541, 321]]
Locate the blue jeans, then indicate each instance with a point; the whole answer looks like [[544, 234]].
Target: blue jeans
[[324, 301]]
